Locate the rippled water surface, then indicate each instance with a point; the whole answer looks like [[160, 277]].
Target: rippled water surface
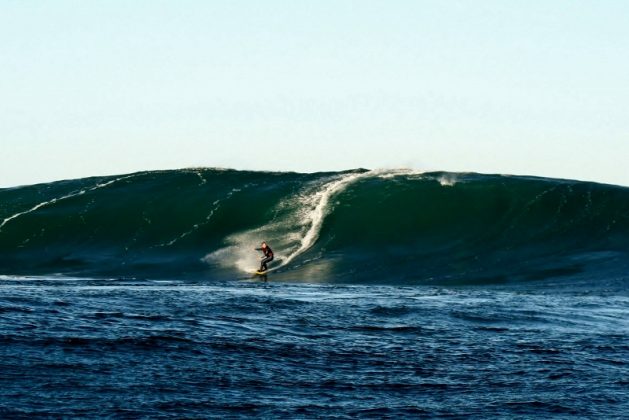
[[76, 347]]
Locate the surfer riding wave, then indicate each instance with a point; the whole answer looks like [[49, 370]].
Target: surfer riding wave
[[267, 258]]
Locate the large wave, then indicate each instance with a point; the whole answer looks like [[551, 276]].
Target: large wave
[[388, 226]]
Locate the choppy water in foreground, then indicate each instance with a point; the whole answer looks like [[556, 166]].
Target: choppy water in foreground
[[95, 348]]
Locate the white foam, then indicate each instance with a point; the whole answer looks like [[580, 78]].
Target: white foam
[[297, 226], [392, 173], [315, 208], [447, 180], [293, 230]]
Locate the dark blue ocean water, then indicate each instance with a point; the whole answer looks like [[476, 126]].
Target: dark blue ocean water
[[250, 348]]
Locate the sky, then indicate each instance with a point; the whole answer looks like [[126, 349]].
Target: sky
[[512, 87]]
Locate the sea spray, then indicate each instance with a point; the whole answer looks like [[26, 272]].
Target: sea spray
[[294, 233]]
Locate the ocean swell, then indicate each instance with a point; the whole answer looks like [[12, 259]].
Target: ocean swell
[[388, 226]]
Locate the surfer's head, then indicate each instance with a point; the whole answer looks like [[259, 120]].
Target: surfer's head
[[263, 244]]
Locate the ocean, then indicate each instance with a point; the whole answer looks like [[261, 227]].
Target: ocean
[[393, 294]]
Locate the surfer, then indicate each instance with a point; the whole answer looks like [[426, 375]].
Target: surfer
[[267, 258]]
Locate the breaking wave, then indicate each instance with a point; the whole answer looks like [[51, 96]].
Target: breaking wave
[[388, 226]]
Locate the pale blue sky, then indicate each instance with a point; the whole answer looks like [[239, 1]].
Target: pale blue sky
[[520, 87]]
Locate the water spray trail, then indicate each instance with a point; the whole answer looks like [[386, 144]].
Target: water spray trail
[[55, 200], [320, 205], [316, 216]]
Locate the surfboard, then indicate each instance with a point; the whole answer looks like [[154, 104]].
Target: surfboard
[[260, 273]]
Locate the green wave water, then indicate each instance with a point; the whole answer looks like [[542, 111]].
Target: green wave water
[[394, 226]]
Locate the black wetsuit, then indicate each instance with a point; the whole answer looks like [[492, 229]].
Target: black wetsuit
[[268, 257]]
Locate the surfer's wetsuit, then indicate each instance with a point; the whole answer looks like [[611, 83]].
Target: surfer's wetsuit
[[268, 257]]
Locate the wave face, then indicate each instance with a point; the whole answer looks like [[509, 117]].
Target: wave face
[[392, 226]]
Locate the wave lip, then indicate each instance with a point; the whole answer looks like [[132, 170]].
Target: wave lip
[[387, 226]]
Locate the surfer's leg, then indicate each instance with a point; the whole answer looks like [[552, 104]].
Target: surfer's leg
[[264, 262]]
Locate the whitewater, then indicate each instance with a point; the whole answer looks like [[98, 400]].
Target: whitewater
[[394, 293]]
